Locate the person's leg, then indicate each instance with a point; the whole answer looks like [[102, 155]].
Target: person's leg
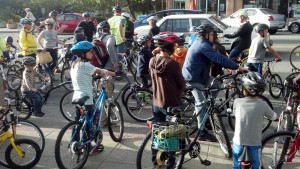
[[237, 151], [37, 101], [255, 152], [234, 53]]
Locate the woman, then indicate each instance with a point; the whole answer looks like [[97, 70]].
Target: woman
[[56, 26], [26, 40]]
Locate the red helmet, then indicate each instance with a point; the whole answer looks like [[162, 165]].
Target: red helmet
[[165, 38]]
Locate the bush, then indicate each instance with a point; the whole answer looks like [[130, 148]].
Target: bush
[[8, 15]]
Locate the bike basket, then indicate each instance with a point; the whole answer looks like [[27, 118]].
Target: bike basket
[[168, 137]]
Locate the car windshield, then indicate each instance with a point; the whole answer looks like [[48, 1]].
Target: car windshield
[[267, 11], [220, 23]]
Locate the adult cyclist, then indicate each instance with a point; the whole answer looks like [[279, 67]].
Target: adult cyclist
[[26, 40]]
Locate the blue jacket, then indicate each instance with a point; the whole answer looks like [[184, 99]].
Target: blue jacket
[[198, 60]]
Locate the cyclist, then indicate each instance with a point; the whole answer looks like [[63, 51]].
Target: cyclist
[[81, 75], [154, 30], [88, 26], [129, 30], [197, 65], [26, 40], [258, 48], [9, 44], [250, 112], [180, 52], [167, 82], [79, 35], [29, 14], [59, 28]]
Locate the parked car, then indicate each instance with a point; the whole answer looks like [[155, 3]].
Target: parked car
[[161, 14], [70, 19], [180, 24], [294, 25], [258, 15]]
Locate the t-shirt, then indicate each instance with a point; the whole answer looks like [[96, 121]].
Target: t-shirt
[[50, 38], [257, 50], [249, 118], [81, 76]]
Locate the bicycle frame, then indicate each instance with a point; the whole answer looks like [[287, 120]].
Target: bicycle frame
[[292, 152]]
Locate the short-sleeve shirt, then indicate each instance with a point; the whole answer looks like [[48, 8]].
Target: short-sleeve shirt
[[50, 38], [81, 76], [257, 50], [249, 118]]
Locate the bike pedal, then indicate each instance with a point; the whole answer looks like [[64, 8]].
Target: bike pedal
[[206, 162]]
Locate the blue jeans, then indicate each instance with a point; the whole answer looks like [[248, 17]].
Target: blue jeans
[[255, 152], [256, 67], [234, 53], [121, 48], [36, 99]]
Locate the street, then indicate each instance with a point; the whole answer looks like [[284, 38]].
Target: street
[[123, 155]]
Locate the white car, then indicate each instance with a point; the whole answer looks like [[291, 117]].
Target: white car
[[258, 15], [180, 24]]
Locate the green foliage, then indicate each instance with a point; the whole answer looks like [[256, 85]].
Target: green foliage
[[9, 15]]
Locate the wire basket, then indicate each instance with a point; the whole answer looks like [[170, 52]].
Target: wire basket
[[169, 137]]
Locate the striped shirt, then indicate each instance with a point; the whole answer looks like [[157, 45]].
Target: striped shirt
[[28, 81]]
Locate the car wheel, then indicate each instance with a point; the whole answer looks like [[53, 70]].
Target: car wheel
[[294, 28], [272, 31]]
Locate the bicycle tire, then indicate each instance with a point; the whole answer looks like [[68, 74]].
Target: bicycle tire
[[125, 94], [67, 147], [143, 158], [24, 108], [115, 123], [295, 58], [67, 109], [285, 122], [139, 104], [66, 76], [275, 78], [40, 82], [288, 90], [10, 154], [221, 133], [272, 157], [14, 77], [267, 122]]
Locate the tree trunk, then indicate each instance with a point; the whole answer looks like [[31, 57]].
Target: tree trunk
[[131, 10]]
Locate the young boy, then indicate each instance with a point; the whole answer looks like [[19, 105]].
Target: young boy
[[250, 112], [258, 48], [144, 58], [28, 85], [180, 52]]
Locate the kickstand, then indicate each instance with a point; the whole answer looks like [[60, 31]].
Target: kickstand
[[204, 162]]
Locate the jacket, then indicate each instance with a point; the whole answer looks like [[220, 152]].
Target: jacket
[[143, 61], [89, 29], [26, 41], [167, 81], [179, 55], [198, 60]]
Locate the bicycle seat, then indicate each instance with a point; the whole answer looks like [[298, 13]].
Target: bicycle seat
[[80, 101]]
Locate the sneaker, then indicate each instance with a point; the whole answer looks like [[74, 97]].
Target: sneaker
[[96, 149], [206, 136], [40, 114]]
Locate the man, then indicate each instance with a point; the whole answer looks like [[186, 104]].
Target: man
[[88, 26], [197, 66]]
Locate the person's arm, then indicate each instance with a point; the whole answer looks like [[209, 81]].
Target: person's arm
[[104, 73], [274, 53], [22, 40], [181, 84], [269, 113], [27, 83], [121, 29], [40, 40]]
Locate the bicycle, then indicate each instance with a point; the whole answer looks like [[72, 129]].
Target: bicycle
[[26, 152], [75, 138], [294, 58]]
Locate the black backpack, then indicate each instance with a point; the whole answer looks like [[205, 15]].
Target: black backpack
[[129, 29]]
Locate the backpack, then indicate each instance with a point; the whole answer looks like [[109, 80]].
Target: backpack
[[129, 29], [100, 54]]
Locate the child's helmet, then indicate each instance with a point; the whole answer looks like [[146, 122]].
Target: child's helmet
[[204, 29], [29, 60], [9, 39], [103, 24], [25, 21], [53, 13], [165, 38], [78, 29], [254, 83], [141, 40], [125, 15], [181, 39], [81, 47], [261, 27]]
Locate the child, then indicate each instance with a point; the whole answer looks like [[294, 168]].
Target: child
[[9, 44], [258, 48], [180, 52], [28, 85], [250, 112], [79, 35], [144, 58], [154, 30]]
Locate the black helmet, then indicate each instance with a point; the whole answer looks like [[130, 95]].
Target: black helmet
[[86, 15], [261, 27], [29, 60], [53, 13], [25, 21], [141, 40], [81, 47], [181, 39], [117, 8], [102, 25], [165, 38], [78, 29], [254, 83], [204, 29], [9, 39]]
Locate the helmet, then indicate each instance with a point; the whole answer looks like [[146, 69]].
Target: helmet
[[126, 15], [261, 27], [165, 38], [244, 13], [29, 60], [254, 83], [27, 9], [181, 39], [81, 47], [53, 13], [78, 29], [9, 39], [153, 18], [49, 21], [141, 40], [193, 29], [204, 29], [117, 8], [103, 24], [25, 21], [86, 15]]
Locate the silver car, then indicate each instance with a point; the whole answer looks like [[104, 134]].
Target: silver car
[[258, 15], [294, 25]]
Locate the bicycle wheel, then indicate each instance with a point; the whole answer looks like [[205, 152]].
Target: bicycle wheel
[[144, 156], [66, 76], [295, 58], [23, 108], [274, 90], [115, 123], [139, 104], [66, 107], [31, 152], [40, 82], [274, 149], [69, 152], [14, 77], [221, 133], [285, 121]]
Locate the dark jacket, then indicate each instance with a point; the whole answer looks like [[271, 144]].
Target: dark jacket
[[244, 36], [198, 60], [152, 32], [143, 61], [89, 29], [167, 81], [129, 29]]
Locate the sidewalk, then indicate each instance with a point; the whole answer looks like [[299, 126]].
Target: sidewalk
[[6, 30]]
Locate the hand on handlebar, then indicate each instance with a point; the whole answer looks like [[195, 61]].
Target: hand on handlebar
[[278, 59]]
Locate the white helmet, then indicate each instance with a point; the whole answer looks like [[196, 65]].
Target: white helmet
[[126, 15], [152, 18]]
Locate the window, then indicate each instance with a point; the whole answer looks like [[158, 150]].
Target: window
[[198, 22], [61, 17], [175, 25], [251, 12], [70, 17]]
